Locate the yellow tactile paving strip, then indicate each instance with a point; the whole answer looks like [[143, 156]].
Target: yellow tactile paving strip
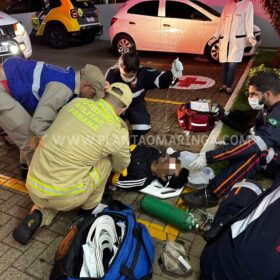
[[13, 183]]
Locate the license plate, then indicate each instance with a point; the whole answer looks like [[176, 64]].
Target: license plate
[[90, 19], [4, 48]]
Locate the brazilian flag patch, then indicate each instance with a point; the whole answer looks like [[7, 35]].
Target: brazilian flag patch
[[273, 122]]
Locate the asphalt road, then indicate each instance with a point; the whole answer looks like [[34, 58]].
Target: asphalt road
[[99, 53]]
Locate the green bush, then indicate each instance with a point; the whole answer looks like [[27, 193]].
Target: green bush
[[256, 70], [262, 68]]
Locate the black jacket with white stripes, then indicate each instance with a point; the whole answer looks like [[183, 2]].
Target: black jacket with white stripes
[[267, 135], [147, 78], [250, 247], [139, 173]]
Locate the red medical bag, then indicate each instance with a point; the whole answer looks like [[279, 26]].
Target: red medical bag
[[195, 121]]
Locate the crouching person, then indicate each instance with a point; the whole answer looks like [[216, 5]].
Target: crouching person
[[248, 247], [73, 161]]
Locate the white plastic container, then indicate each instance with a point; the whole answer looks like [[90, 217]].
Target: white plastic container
[[197, 179]]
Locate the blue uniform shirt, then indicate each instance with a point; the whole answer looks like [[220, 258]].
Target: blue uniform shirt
[[27, 79]]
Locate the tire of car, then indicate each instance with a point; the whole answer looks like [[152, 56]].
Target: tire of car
[[212, 52], [57, 37], [123, 43]]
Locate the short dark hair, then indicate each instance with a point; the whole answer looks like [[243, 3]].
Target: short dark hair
[[131, 61], [265, 81]]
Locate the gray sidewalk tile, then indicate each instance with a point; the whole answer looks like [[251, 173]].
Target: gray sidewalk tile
[[18, 212], [8, 227], [40, 269], [197, 246], [30, 255], [4, 218], [59, 227], [15, 274], [49, 254], [3, 248], [9, 240], [8, 259], [45, 236], [10, 202], [5, 194]]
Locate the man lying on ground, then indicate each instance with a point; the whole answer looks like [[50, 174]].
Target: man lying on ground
[[148, 164]]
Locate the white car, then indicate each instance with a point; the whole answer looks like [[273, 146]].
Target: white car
[[179, 26], [23, 10], [14, 40]]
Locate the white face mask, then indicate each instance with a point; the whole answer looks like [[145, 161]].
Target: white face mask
[[255, 103], [127, 80]]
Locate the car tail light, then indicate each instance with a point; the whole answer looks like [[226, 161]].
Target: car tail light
[[74, 13], [113, 20], [96, 13]]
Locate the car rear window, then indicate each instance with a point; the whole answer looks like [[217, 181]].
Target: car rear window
[[146, 8], [207, 8], [83, 3]]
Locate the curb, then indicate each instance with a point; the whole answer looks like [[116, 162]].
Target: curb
[[213, 136]]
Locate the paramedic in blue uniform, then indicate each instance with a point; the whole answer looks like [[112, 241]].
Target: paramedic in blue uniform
[[32, 92], [258, 150], [140, 79], [249, 248]]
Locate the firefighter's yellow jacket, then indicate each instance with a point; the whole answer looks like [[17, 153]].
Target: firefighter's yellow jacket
[[84, 132]]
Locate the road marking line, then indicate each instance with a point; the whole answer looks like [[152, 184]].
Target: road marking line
[[163, 101]]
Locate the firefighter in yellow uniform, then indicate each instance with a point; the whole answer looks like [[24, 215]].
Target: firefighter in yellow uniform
[[74, 159]]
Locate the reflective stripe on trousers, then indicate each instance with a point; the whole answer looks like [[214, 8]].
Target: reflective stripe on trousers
[[65, 191], [95, 178]]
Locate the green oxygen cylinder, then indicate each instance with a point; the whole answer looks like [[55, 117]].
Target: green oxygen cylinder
[[168, 213]]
